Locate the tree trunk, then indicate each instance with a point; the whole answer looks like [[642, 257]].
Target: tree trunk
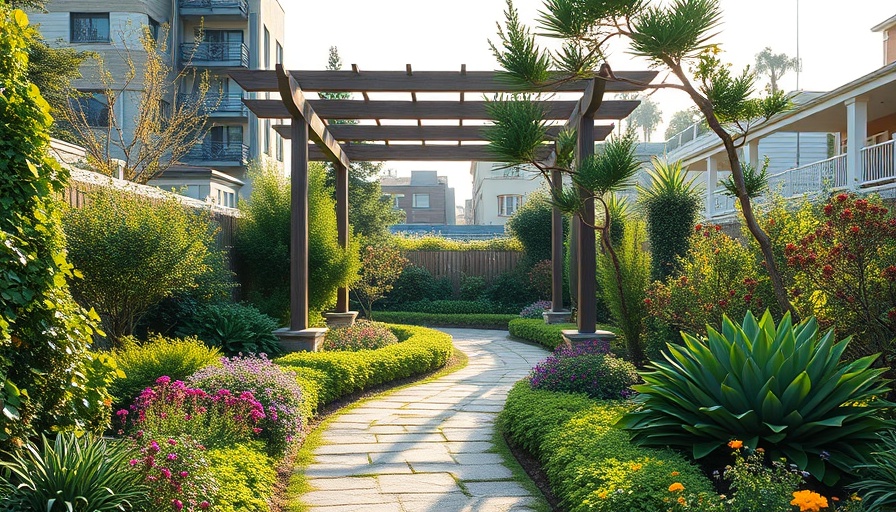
[[737, 174]]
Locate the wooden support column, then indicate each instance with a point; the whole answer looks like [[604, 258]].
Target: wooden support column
[[342, 227], [298, 241], [587, 313], [556, 247]]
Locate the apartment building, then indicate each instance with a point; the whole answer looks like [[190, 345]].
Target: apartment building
[[425, 197], [207, 35], [499, 190]]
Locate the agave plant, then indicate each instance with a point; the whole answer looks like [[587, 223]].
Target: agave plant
[[71, 475], [782, 389]]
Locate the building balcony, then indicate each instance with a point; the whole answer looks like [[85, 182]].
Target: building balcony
[[224, 106], [215, 55], [218, 154], [219, 9], [876, 170]]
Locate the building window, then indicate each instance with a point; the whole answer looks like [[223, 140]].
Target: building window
[[267, 137], [396, 201], [279, 55], [92, 27], [508, 205], [154, 29], [421, 200], [267, 49], [279, 147], [94, 106]]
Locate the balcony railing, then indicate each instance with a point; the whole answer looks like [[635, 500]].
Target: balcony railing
[[687, 135], [218, 152], [810, 178], [218, 105], [213, 7], [879, 163], [215, 54]]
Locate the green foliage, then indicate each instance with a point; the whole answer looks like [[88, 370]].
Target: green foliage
[[262, 242], [456, 307], [472, 287], [437, 243], [416, 284], [245, 476], [845, 271], [520, 56], [519, 129], [783, 389], [878, 483], [143, 363], [680, 121], [531, 225], [468, 320], [44, 334], [134, 251], [717, 276], [233, 328], [381, 266], [422, 350], [541, 277], [757, 485], [600, 376], [671, 204], [89, 474], [511, 289], [363, 335], [775, 65], [313, 383], [590, 464], [369, 211], [52, 68], [610, 169], [755, 180], [535, 330], [629, 284], [675, 32]]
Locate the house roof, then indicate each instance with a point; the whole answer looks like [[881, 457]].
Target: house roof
[[880, 27]]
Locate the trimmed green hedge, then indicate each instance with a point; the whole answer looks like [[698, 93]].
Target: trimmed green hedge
[[245, 476], [535, 330], [590, 464], [326, 376], [457, 307], [477, 321]]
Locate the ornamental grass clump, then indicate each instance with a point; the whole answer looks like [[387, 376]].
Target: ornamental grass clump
[[172, 408], [586, 368], [363, 335], [783, 389], [535, 310], [274, 387]]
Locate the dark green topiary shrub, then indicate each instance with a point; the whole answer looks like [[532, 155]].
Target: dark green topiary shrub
[[234, 329], [472, 287], [531, 224], [414, 284]]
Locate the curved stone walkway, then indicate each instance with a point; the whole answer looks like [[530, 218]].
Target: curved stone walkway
[[427, 448]]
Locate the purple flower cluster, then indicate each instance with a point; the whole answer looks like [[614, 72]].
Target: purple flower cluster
[[175, 470], [364, 335], [585, 368], [535, 309], [272, 386]]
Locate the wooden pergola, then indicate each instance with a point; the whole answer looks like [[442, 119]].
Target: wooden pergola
[[432, 131]]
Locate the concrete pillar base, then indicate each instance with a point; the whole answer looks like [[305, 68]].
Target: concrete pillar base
[[346, 319], [306, 340], [556, 317], [573, 337]]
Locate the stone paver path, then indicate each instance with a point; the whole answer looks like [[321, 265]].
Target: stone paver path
[[427, 448]]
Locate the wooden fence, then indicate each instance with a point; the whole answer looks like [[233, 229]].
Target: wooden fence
[[456, 264]]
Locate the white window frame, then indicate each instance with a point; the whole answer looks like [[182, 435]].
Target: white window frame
[[507, 210]]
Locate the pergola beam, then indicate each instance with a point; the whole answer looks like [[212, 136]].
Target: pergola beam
[[421, 81], [294, 105], [358, 132], [436, 110], [417, 152]]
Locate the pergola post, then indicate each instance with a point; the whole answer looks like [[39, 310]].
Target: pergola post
[[341, 316], [298, 240], [557, 314]]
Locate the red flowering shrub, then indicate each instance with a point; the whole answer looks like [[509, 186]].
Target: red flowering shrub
[[845, 270], [718, 275]]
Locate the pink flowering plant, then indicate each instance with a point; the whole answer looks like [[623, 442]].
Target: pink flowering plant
[[172, 408], [176, 471], [535, 309], [363, 335], [275, 388]]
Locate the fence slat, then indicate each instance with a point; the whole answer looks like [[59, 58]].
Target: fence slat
[[456, 264]]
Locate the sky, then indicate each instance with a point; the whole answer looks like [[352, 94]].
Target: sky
[[836, 44]]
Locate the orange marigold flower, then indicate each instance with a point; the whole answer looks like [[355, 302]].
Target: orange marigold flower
[[636, 467], [602, 495], [809, 501], [675, 473], [735, 444], [682, 501], [677, 486]]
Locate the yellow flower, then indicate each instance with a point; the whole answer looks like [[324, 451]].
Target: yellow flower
[[809, 501], [636, 467], [675, 473], [602, 495], [735, 444], [677, 486], [681, 500]]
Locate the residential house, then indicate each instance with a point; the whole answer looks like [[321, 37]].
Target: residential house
[[205, 35], [425, 197], [499, 190]]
